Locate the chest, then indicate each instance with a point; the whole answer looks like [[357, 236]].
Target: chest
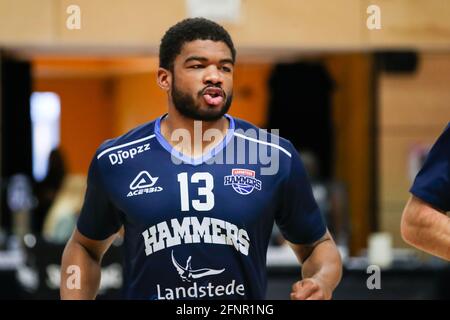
[[148, 193]]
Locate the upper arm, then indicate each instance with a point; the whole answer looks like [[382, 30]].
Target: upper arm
[[299, 218], [99, 217], [303, 251], [95, 248], [419, 221], [416, 215], [432, 183]]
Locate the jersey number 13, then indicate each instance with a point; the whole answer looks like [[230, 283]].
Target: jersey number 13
[[202, 191]]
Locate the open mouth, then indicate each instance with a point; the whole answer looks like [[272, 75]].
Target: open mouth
[[213, 96]]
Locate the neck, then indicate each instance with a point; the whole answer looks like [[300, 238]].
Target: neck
[[175, 125]]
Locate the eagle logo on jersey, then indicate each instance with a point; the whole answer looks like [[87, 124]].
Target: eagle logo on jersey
[[243, 181], [187, 274]]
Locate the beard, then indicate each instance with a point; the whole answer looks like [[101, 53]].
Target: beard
[[187, 106]]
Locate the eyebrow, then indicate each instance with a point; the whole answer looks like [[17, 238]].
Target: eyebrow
[[203, 59]]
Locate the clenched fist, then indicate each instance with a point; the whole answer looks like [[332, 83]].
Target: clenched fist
[[310, 289]]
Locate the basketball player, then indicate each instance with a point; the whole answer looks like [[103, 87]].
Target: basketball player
[[197, 218], [424, 222]]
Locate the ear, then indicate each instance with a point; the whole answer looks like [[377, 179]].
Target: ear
[[164, 78]]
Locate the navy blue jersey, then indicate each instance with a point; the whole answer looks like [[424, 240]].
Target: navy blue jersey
[[198, 228], [432, 183]]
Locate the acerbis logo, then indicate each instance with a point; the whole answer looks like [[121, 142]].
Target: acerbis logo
[[143, 180], [119, 156], [187, 273], [243, 181], [143, 183]]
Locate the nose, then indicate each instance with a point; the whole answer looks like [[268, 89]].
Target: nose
[[212, 75]]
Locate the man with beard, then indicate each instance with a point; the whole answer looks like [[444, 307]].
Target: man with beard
[[198, 212]]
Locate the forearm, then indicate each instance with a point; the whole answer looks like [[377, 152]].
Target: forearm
[[77, 262], [426, 228], [324, 264]]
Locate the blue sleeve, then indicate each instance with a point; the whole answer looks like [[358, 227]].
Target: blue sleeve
[[432, 183], [299, 217], [99, 218]]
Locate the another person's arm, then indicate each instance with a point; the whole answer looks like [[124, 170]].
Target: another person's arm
[[426, 228], [83, 255], [424, 223], [321, 269]]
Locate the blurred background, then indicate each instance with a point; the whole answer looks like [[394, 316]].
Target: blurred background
[[362, 89]]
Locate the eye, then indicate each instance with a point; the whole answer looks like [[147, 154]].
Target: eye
[[196, 66], [226, 69]]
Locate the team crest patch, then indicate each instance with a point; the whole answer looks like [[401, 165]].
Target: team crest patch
[[243, 181]]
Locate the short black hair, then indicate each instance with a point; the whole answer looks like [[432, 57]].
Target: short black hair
[[188, 30]]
